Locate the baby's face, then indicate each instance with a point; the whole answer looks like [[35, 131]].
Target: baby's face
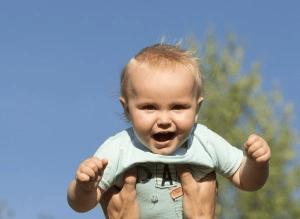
[[162, 106]]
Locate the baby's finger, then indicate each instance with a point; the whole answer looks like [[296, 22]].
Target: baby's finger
[[264, 158], [101, 165], [93, 163], [259, 152], [88, 171], [81, 177], [104, 162], [254, 147], [252, 138]]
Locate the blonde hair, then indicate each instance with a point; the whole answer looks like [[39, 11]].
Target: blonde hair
[[163, 56]]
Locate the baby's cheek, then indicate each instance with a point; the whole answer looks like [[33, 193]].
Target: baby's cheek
[[188, 116], [186, 123]]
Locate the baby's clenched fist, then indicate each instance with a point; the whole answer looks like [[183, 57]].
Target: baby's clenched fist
[[257, 149], [90, 172]]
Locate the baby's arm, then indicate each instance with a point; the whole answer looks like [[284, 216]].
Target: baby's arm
[[254, 170], [84, 193]]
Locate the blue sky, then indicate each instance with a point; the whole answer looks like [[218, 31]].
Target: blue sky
[[60, 63]]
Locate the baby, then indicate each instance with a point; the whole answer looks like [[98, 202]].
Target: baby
[[161, 93]]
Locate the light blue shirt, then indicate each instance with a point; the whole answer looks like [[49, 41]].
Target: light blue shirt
[[205, 151]]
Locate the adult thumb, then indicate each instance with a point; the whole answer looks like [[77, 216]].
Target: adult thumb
[[130, 179], [185, 175]]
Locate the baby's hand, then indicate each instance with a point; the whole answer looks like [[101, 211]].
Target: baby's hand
[[90, 172], [257, 149]]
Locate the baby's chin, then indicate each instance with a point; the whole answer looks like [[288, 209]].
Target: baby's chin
[[163, 150], [180, 149]]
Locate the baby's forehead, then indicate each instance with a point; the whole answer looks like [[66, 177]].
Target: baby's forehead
[[144, 72], [145, 78], [148, 69], [141, 71]]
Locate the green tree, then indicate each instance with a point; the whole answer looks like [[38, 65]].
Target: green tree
[[235, 106]]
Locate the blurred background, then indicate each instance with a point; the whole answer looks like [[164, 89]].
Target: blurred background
[[60, 63]]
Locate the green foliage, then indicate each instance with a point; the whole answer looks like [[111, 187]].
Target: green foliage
[[235, 106]]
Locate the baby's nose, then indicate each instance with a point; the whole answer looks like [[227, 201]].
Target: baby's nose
[[164, 120]]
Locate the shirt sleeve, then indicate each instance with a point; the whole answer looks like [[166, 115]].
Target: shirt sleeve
[[226, 157]]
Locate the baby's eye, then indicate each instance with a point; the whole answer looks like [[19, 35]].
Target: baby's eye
[[178, 107], [148, 107]]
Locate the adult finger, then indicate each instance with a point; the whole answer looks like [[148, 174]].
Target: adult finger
[[130, 178], [109, 194], [209, 177], [210, 183], [185, 175]]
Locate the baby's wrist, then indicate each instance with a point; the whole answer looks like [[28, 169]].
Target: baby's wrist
[[256, 164], [84, 188]]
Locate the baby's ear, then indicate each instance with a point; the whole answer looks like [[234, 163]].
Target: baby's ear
[[125, 107], [199, 102]]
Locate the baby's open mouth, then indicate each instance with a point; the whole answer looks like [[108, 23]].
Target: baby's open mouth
[[163, 136]]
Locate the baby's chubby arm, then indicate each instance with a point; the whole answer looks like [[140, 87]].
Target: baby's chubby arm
[[84, 193], [254, 170]]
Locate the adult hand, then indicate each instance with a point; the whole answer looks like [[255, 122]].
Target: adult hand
[[198, 197], [122, 203]]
